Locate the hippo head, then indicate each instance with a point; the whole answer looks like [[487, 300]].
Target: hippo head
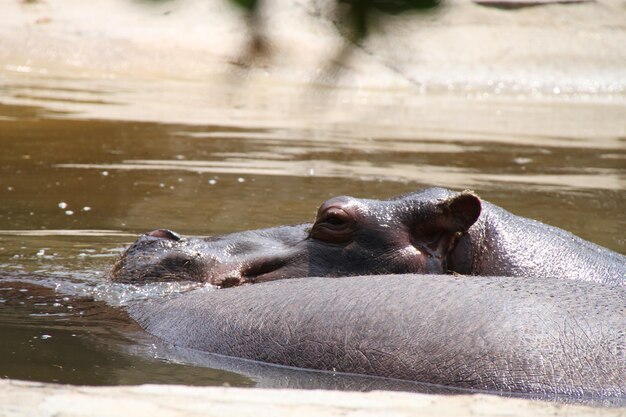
[[413, 233]]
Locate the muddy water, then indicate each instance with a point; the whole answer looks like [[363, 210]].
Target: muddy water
[[86, 165]]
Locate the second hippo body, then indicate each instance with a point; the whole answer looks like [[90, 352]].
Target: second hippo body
[[539, 336], [432, 231]]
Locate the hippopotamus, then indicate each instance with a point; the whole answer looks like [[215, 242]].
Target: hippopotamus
[[435, 286], [542, 337], [432, 231]]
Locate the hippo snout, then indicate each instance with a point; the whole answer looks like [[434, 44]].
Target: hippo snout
[[224, 261]]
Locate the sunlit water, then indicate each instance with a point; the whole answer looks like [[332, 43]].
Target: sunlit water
[[88, 165]]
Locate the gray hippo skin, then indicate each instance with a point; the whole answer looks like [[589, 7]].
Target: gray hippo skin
[[547, 337], [432, 231]]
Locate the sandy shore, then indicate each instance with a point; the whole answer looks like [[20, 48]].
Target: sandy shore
[[554, 49], [19, 398]]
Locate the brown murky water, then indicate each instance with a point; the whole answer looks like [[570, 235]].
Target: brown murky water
[[86, 165]]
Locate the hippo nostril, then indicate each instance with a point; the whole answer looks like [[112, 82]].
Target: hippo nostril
[[165, 234]]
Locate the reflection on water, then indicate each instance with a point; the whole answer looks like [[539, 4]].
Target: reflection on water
[[87, 165], [454, 177]]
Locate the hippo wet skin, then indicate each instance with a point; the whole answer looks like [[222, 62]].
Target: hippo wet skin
[[549, 337], [559, 331], [432, 231]]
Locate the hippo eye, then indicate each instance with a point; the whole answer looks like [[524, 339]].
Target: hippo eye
[[333, 225], [335, 221], [335, 218]]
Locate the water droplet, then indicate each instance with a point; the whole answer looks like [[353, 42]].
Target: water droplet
[[69, 212], [86, 208], [522, 161], [62, 205]]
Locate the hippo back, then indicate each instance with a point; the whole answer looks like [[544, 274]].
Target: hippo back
[[543, 336]]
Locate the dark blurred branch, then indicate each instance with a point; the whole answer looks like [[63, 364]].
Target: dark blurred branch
[[257, 45], [354, 20]]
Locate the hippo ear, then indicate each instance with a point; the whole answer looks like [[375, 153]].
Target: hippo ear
[[459, 212]]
